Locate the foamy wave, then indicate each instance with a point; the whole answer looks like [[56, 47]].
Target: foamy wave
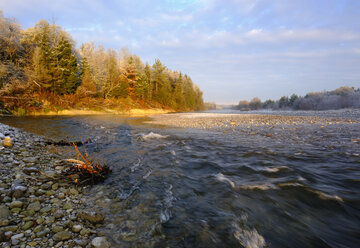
[[147, 174], [152, 135], [249, 238], [135, 165], [220, 177], [275, 169], [258, 187], [167, 203]]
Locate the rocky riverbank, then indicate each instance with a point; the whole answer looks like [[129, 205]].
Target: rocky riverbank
[[35, 209], [243, 122]]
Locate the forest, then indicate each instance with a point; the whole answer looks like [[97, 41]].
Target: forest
[[343, 97], [42, 70]]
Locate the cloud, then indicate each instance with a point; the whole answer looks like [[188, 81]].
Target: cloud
[[247, 47]]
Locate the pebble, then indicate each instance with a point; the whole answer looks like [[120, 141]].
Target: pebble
[[16, 204], [61, 236], [76, 228], [35, 206], [92, 216], [100, 242], [39, 213], [7, 142], [16, 238]]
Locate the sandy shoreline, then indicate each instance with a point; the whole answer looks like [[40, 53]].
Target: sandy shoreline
[[131, 112]]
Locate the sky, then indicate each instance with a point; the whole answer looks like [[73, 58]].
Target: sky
[[232, 49]]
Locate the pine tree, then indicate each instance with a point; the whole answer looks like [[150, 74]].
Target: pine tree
[[66, 69]]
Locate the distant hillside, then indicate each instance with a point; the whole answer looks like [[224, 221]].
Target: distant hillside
[[343, 97]]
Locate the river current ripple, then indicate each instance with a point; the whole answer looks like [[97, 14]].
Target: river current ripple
[[174, 187]]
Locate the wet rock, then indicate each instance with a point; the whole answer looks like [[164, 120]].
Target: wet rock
[[38, 229], [76, 228], [10, 228], [27, 225], [50, 220], [18, 191], [81, 242], [128, 230], [7, 142], [91, 216], [73, 192], [68, 205], [2, 136], [35, 206], [55, 186], [57, 229], [30, 159], [50, 173], [39, 221], [16, 210], [85, 232], [29, 212], [43, 233], [100, 242], [29, 170], [45, 209], [58, 214], [61, 196], [15, 239], [16, 204], [61, 236]]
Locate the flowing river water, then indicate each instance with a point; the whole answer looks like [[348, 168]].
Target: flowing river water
[[176, 187]]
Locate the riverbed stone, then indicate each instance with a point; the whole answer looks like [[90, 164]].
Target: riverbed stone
[[43, 233], [45, 209], [38, 229], [61, 236], [16, 210], [27, 225], [29, 170], [57, 229], [18, 191], [58, 214], [61, 196], [49, 220], [7, 142], [73, 191], [11, 228], [85, 232], [94, 217], [35, 206], [15, 239], [100, 242], [16, 204], [76, 228]]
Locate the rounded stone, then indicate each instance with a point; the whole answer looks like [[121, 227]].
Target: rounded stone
[[100, 242], [61, 236]]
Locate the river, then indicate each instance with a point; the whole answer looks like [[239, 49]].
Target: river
[[183, 187]]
